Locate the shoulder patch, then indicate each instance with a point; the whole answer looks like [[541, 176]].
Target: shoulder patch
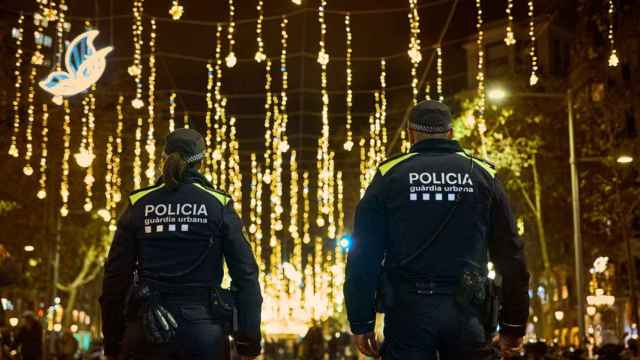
[[485, 164], [222, 197], [389, 164], [140, 193]]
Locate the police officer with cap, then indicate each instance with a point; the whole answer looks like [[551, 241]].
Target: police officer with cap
[[424, 232], [173, 238]]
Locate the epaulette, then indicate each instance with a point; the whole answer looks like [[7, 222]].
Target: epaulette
[[393, 161], [485, 164], [140, 193], [224, 198]]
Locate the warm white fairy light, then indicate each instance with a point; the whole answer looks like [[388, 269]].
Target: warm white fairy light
[[31, 109], [137, 154], [427, 91], [480, 75], [297, 2], [135, 70], [260, 55], [267, 123], [42, 192], [323, 155], [323, 57], [348, 144], [414, 52], [613, 56], [231, 59], [185, 119], [439, 71], [216, 154], [533, 78], [37, 58], [509, 38], [284, 144], [66, 154], [293, 205], [13, 148], [405, 145], [89, 179], [108, 181], [176, 11], [60, 29], [151, 142], [116, 195], [172, 112], [235, 175]]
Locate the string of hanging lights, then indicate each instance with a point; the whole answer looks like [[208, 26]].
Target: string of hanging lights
[[89, 107], [613, 56], [13, 148], [172, 111], [284, 145], [135, 70], [151, 104], [260, 56], [480, 76], [42, 192], [176, 11], [439, 72], [231, 59], [348, 144], [509, 38], [533, 78], [66, 154]]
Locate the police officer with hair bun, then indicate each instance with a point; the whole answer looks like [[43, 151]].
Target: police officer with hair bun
[[161, 296], [424, 233]]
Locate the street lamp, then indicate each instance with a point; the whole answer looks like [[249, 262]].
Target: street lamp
[[496, 94], [624, 159]]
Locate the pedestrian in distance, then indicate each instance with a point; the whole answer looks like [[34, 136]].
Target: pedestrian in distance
[[161, 296], [424, 232]]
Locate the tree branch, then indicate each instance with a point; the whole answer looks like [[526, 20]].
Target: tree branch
[[526, 196]]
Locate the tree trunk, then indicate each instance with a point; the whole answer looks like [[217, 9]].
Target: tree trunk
[[71, 303]]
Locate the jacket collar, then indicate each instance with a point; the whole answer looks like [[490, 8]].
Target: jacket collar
[[437, 146], [191, 175]]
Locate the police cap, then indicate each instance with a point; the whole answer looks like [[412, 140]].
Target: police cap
[[430, 116], [187, 142]]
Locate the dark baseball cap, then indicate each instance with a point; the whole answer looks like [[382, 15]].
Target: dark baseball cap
[[187, 142], [430, 116]]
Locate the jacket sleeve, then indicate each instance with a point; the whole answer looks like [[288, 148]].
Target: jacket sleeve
[[244, 278], [507, 253], [118, 276], [365, 258]]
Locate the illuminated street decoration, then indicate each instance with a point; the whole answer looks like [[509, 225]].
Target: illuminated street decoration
[[481, 103], [439, 72], [13, 148], [348, 144], [231, 59], [135, 70], [176, 11], [151, 142], [42, 192], [260, 56], [89, 107], [172, 111], [64, 181], [322, 158], [509, 38], [284, 143], [613, 56], [323, 57], [415, 54], [84, 67], [533, 78]]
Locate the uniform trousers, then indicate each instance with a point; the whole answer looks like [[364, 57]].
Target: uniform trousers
[[198, 337], [426, 327]]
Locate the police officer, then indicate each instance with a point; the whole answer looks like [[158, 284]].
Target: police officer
[[431, 219], [174, 236]]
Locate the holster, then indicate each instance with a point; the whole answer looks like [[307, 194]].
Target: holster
[[158, 324], [385, 293], [223, 306], [492, 305]]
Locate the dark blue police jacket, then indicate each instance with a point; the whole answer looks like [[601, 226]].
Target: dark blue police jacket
[[406, 202]]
